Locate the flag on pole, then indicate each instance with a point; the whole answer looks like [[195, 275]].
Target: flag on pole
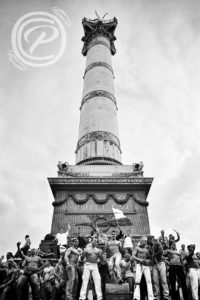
[[118, 213], [120, 218]]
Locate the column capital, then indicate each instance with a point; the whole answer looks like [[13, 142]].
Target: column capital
[[99, 27]]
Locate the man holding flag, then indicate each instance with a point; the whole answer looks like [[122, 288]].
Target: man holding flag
[[114, 246]]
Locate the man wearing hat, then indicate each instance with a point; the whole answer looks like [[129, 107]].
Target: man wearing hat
[[141, 255]]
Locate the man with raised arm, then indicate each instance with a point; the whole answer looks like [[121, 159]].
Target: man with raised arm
[[172, 238], [72, 256], [114, 247], [91, 256], [142, 255], [62, 239], [32, 265]]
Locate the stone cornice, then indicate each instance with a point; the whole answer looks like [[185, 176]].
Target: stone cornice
[[98, 64], [98, 135], [95, 28], [101, 180], [100, 184], [98, 93]]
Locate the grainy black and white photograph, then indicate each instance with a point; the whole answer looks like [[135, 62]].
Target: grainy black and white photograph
[[100, 150]]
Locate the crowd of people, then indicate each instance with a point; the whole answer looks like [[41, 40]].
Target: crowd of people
[[151, 267]]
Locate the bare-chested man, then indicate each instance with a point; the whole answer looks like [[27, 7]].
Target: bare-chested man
[[176, 271], [126, 270], [8, 285], [114, 247], [32, 265], [91, 256], [141, 255], [72, 256]]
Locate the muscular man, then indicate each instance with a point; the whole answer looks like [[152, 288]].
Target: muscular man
[[176, 270], [114, 248], [32, 265], [141, 255], [91, 256], [72, 256]]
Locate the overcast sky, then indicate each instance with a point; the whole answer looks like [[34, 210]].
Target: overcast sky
[[157, 71]]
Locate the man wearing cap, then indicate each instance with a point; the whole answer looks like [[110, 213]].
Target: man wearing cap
[[91, 256], [114, 246], [194, 270], [141, 255], [72, 256]]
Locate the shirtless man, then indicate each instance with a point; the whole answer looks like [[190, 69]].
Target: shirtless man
[[8, 284], [126, 271], [32, 265], [114, 248], [48, 280], [91, 256], [141, 255], [176, 270], [72, 256]]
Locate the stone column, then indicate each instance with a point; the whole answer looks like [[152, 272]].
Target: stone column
[[98, 141]]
